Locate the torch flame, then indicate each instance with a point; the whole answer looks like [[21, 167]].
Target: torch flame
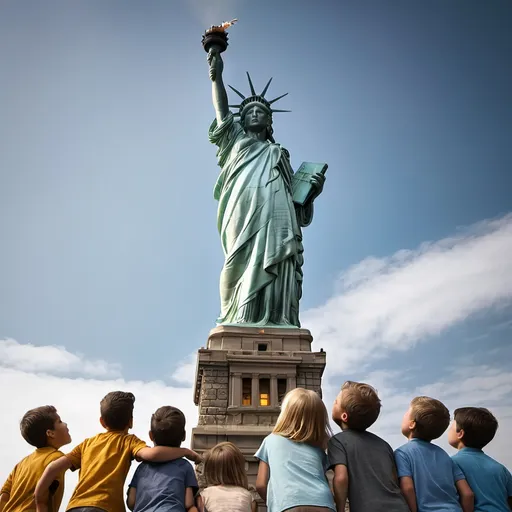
[[226, 24]]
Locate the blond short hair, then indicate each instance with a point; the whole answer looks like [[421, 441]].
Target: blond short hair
[[304, 418], [431, 416], [224, 464]]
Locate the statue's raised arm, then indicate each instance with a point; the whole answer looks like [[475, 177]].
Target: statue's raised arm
[[219, 95]]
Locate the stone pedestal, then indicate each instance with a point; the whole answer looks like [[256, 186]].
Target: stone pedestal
[[241, 378]]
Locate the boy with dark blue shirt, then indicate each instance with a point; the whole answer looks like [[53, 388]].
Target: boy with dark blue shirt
[[491, 482], [169, 486], [429, 480]]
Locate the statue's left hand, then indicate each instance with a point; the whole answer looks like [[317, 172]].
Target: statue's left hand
[[317, 181]]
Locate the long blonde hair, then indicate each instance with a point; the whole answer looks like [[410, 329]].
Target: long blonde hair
[[304, 418], [224, 464]]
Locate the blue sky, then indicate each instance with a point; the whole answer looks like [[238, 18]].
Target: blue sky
[[107, 216]]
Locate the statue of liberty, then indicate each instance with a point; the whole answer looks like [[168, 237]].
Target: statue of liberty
[[258, 221]]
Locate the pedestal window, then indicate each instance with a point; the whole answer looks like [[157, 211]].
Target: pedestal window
[[264, 392], [246, 391]]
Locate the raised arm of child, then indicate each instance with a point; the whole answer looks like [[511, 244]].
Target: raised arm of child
[[262, 480], [407, 488], [340, 486], [52, 471], [466, 496], [166, 453]]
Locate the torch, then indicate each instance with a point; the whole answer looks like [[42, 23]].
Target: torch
[[216, 37]]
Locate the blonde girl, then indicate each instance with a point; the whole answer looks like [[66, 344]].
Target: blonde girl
[[293, 462], [226, 480]]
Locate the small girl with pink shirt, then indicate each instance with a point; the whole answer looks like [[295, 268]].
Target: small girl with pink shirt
[[226, 480]]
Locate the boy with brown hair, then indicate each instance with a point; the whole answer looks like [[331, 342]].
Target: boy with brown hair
[[164, 487], [42, 428], [104, 460], [472, 429], [363, 463], [429, 479]]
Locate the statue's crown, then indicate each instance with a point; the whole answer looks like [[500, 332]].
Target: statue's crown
[[256, 98]]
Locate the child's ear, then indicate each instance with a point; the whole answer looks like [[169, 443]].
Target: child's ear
[[460, 434], [151, 437], [50, 433], [184, 436], [102, 421], [344, 417], [130, 425]]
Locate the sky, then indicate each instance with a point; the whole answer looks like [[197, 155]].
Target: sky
[[109, 253]]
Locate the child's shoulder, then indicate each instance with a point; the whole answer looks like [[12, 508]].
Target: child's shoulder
[[360, 437]]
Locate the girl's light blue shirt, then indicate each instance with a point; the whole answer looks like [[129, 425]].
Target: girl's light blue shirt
[[297, 474]]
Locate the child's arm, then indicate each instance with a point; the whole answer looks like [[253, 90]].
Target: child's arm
[[165, 454], [262, 480], [4, 498], [130, 499], [52, 471], [200, 503], [407, 488], [340, 486], [190, 504], [466, 496]]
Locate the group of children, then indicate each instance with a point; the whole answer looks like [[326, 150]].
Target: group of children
[[294, 460]]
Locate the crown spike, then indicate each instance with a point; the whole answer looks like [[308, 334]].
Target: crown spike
[[266, 87], [238, 92], [278, 98], [234, 106], [273, 110], [253, 92]]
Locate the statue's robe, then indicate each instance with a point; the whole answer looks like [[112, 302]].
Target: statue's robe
[[260, 230]]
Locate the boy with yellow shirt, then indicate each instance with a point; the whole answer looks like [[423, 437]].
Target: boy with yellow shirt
[[104, 460], [42, 428]]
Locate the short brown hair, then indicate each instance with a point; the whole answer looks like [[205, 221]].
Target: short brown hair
[[431, 416], [117, 409], [168, 426], [224, 464], [300, 403], [479, 426], [361, 403], [36, 422]]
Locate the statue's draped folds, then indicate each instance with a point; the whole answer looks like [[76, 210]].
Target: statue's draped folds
[[260, 229]]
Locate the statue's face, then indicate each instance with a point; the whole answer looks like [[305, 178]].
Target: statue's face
[[256, 119]]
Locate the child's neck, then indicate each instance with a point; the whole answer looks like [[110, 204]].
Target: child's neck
[[411, 436], [123, 431]]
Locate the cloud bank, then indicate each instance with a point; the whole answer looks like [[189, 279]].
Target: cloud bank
[[390, 304]]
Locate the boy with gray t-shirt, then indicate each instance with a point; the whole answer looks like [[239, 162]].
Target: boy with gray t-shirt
[[363, 463]]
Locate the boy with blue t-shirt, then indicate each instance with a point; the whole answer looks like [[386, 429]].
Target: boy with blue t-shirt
[[429, 479], [491, 482], [169, 486]]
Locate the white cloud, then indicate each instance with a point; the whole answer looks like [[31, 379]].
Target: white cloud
[[185, 372], [77, 401], [395, 302], [53, 360]]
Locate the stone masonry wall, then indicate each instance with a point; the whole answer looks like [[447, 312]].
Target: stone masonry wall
[[310, 380], [214, 396]]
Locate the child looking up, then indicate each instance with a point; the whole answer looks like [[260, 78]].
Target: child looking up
[[226, 480], [471, 430], [104, 460], [293, 462], [429, 479], [169, 486], [42, 428], [363, 463]]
